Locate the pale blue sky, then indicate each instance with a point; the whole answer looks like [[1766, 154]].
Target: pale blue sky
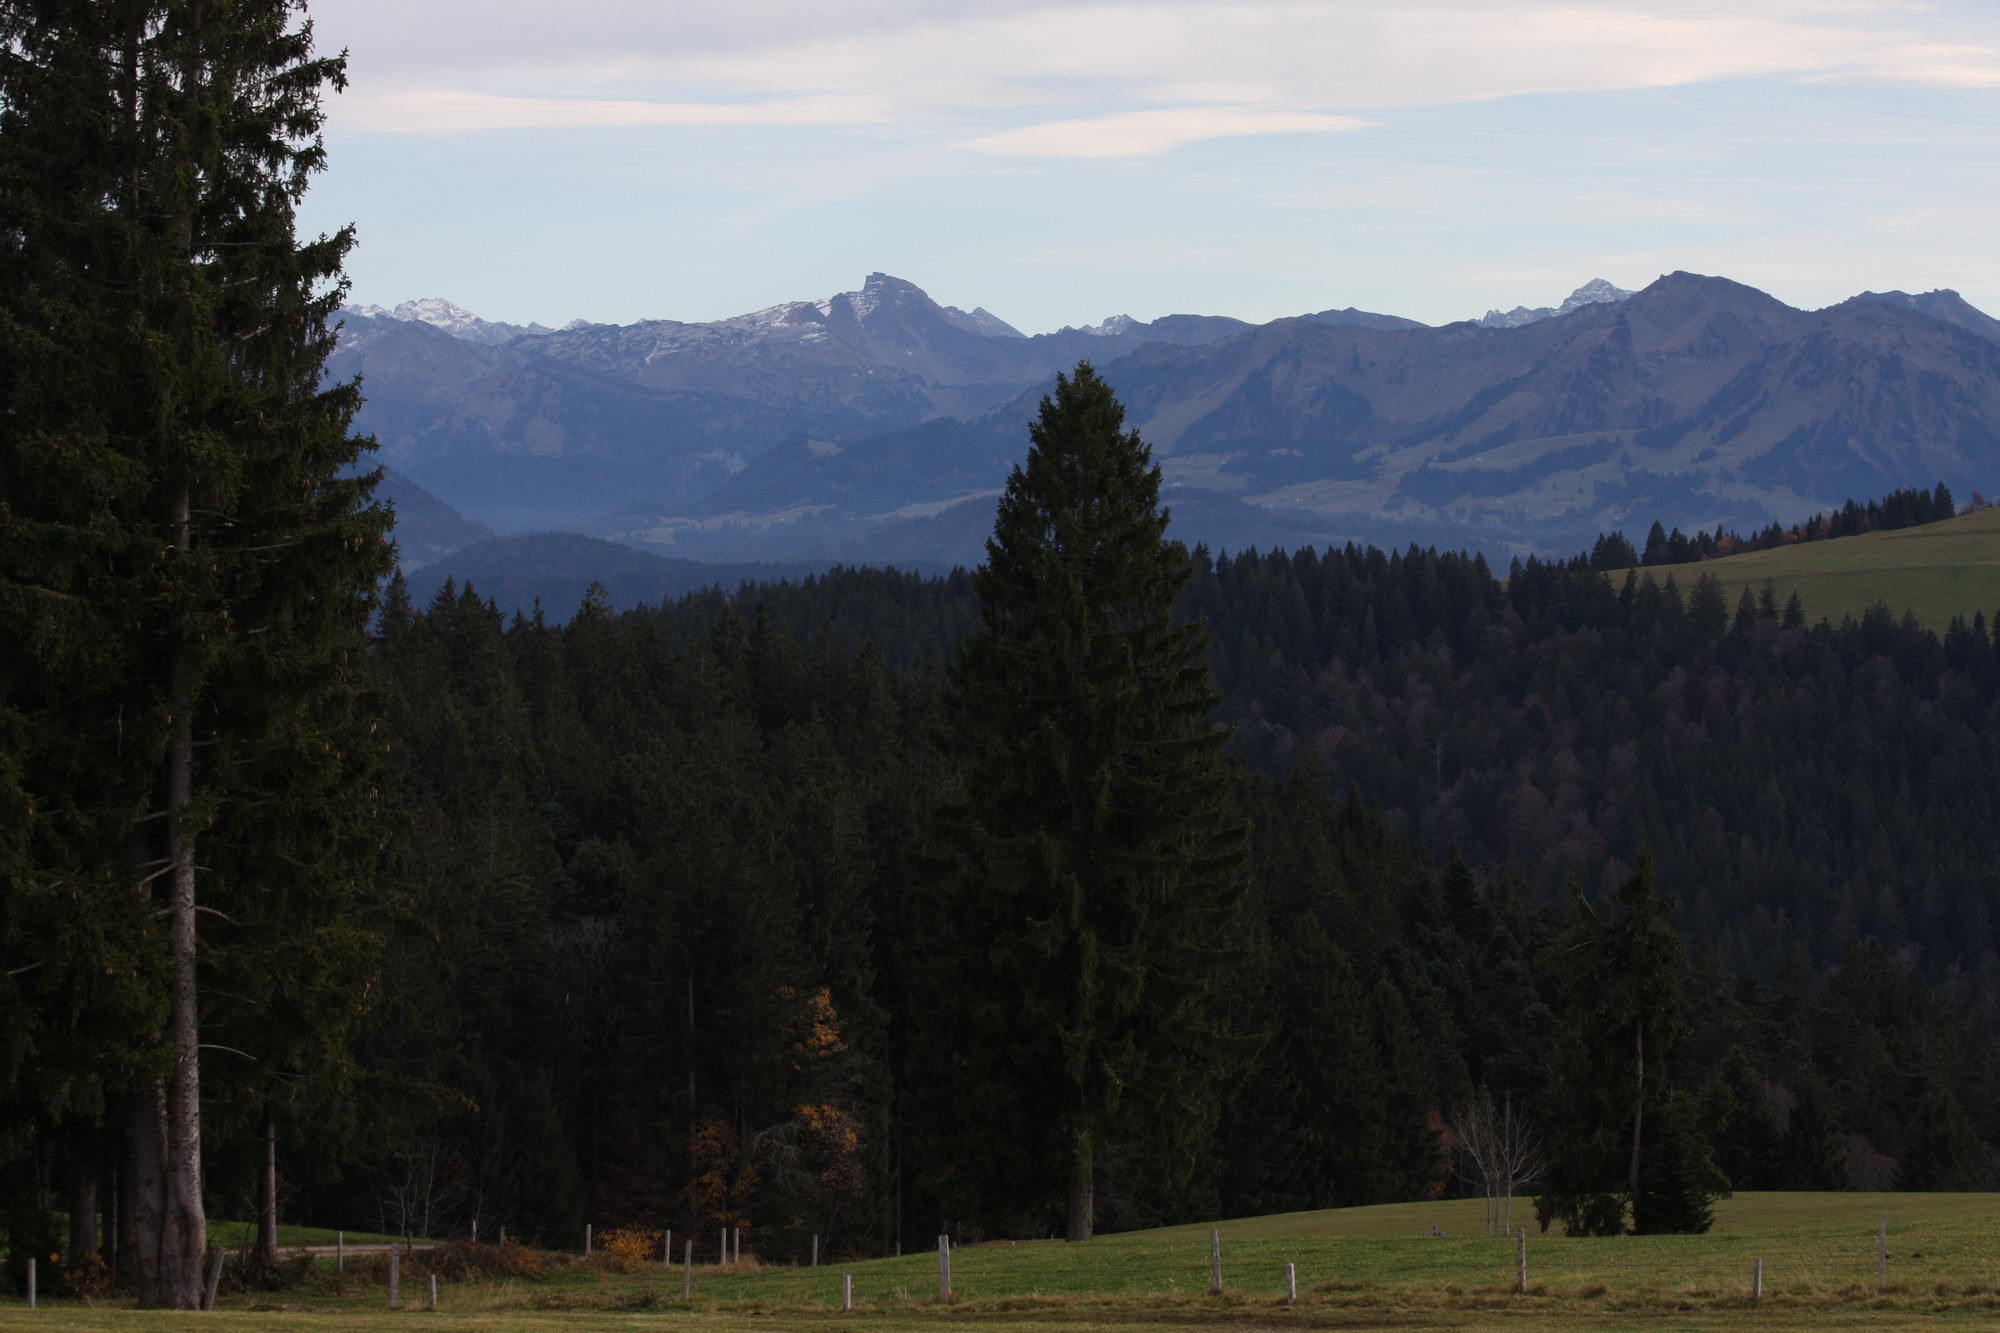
[[1058, 163]]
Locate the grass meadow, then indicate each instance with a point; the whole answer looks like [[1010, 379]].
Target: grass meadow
[[1361, 1268], [1937, 571], [235, 1235]]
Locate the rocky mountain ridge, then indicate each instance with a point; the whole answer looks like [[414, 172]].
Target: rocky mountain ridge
[[853, 425]]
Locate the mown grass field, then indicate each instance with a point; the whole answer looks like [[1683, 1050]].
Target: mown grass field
[[1358, 1269], [232, 1235], [1938, 571]]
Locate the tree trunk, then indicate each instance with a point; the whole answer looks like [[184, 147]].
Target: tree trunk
[[111, 1195], [1082, 1188], [1638, 1115], [144, 1205], [267, 1193], [183, 1236], [125, 1254], [83, 1249]]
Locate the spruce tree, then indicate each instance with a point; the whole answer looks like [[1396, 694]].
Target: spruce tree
[[197, 563], [1096, 852]]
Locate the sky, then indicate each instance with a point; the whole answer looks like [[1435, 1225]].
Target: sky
[[1058, 163]]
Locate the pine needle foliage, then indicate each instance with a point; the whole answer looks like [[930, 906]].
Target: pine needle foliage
[[1096, 849]]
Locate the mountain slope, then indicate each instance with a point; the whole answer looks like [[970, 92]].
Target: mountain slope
[[426, 527], [1697, 399], [537, 428], [1943, 304], [1935, 571]]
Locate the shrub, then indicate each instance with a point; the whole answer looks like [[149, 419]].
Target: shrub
[[623, 1249]]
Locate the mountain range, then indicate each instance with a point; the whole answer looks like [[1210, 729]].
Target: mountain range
[[877, 424]]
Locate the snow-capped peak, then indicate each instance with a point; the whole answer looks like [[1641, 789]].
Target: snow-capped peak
[[1595, 292], [438, 313], [1114, 327], [451, 318]]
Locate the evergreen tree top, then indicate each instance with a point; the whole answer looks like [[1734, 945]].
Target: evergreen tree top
[[1079, 530]]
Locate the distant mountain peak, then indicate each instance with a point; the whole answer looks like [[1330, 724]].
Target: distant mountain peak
[[1597, 291], [1367, 319], [1117, 326], [452, 318], [880, 288], [1943, 303]]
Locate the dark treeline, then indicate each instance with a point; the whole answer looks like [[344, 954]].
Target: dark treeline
[[664, 950], [1906, 508]]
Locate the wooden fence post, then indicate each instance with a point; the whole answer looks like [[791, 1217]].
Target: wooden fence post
[[667, 1249], [395, 1278], [1521, 1260], [1291, 1284], [687, 1272], [815, 1262], [340, 1251], [944, 1268], [586, 1240], [1757, 1282], [214, 1280], [846, 1292], [503, 1234], [1215, 1263], [434, 1291]]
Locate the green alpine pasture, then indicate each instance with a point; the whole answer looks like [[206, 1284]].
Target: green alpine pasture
[[1413, 1266], [1937, 571]]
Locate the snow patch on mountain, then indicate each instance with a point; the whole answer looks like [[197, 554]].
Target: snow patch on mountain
[[454, 319], [1117, 326], [1595, 292]]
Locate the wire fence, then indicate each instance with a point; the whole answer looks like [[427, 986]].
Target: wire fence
[[1952, 1247]]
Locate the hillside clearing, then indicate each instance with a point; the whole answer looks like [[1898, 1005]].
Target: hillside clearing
[[1937, 571]]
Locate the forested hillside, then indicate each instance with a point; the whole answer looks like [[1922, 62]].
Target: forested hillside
[[666, 948], [1803, 786]]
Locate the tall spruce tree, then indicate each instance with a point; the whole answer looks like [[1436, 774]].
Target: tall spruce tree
[[194, 568], [1096, 848]]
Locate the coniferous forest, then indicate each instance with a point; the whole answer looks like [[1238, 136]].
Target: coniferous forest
[[665, 891], [664, 932]]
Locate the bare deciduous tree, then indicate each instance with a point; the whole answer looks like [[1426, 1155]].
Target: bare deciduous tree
[[1504, 1151]]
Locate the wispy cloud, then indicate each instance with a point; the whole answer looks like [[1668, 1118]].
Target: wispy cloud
[[1920, 66], [1147, 133], [1024, 78], [441, 111]]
